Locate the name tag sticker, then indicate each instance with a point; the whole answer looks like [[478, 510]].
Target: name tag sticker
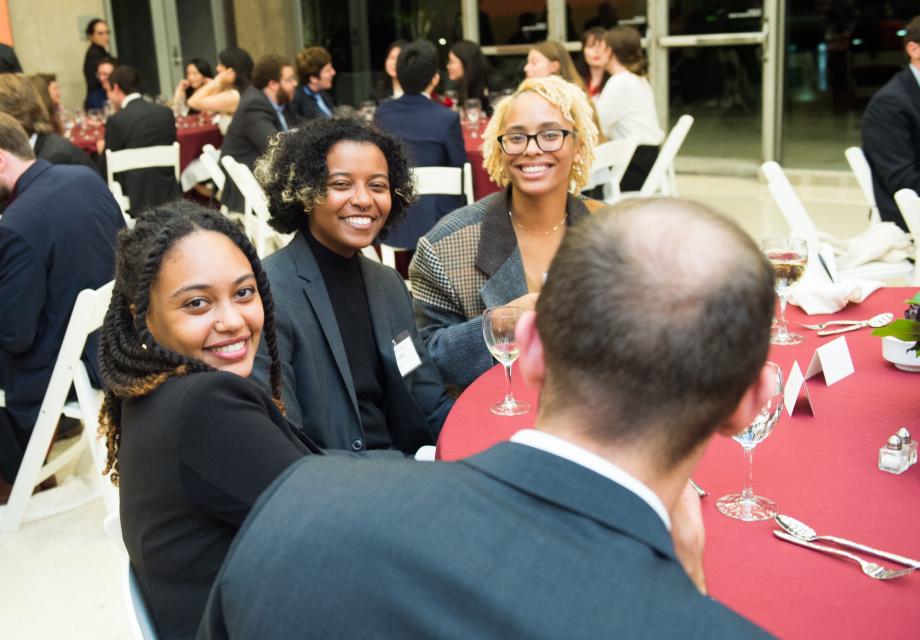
[[407, 359]]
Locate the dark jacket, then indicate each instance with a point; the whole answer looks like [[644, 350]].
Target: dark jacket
[[143, 124], [511, 543], [94, 54], [433, 135], [57, 237], [891, 142], [305, 105], [9, 63], [58, 150]]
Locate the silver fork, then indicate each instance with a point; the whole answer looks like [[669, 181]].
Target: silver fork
[[824, 325], [871, 569]]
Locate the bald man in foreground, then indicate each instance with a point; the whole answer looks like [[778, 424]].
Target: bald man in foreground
[[649, 338]]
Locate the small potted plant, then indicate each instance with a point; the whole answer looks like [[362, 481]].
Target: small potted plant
[[901, 338]]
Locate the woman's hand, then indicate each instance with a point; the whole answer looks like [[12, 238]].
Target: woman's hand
[[527, 302]]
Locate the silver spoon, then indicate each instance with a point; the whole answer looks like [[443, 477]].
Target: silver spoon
[[803, 532], [875, 322], [871, 569]]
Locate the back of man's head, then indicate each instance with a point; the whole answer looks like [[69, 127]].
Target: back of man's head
[[416, 66], [655, 319], [268, 68], [126, 78], [310, 61], [13, 138]]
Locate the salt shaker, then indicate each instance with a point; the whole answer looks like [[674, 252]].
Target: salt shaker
[[909, 445], [893, 457]]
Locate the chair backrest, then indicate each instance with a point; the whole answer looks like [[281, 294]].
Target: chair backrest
[[909, 204], [860, 166], [209, 158], [256, 213], [447, 181], [139, 619], [87, 316], [614, 156], [660, 178], [166, 155]]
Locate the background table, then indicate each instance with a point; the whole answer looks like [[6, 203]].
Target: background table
[[821, 469], [482, 184]]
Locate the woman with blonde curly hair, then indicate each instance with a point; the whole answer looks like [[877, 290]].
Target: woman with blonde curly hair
[[539, 146]]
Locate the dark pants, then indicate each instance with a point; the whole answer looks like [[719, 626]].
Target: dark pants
[[13, 441], [638, 168]]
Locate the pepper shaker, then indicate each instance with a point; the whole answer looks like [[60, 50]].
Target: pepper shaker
[[909, 445], [892, 457]]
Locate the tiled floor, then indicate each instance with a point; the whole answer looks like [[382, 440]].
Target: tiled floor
[[59, 577]]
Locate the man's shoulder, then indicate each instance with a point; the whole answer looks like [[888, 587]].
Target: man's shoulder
[[893, 93]]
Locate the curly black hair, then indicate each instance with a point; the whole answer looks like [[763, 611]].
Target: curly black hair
[[131, 362], [293, 172]]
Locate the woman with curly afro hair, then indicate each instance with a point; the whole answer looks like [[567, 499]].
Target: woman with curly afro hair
[[191, 442], [354, 373]]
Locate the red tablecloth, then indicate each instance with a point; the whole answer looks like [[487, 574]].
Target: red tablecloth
[[482, 184], [821, 469]]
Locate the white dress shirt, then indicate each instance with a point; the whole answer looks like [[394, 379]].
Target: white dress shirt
[[580, 456], [128, 98], [626, 107]]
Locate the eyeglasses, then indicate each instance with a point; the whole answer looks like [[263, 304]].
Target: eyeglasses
[[515, 144]]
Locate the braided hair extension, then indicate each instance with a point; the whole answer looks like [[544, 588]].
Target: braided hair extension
[[131, 362]]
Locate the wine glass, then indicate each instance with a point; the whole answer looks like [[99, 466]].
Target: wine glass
[[789, 257], [472, 110], [745, 505], [498, 330]]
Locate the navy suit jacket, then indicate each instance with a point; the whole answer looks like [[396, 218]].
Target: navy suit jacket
[[319, 392], [891, 142], [432, 132], [511, 543], [57, 237], [305, 105]]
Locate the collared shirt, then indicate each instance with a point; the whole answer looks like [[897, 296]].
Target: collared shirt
[[319, 101], [32, 140], [128, 98], [916, 71], [279, 109], [580, 456]]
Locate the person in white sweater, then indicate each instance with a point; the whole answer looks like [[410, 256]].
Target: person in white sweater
[[626, 106]]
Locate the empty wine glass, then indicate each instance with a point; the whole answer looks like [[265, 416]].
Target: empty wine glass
[[498, 325], [745, 505], [472, 111], [789, 257]]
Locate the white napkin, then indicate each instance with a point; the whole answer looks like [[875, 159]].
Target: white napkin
[[827, 297], [883, 242]]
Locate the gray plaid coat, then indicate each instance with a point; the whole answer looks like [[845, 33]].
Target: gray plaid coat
[[467, 263]]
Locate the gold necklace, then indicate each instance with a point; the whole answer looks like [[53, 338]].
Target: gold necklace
[[544, 233]]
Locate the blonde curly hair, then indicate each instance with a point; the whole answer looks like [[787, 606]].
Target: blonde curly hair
[[575, 108]]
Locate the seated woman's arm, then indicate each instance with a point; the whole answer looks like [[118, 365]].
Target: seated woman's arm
[[212, 96], [178, 100], [455, 343]]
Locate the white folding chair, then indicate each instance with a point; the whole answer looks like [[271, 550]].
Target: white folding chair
[[88, 313], [801, 226], [209, 158], [860, 166], [445, 181], [139, 619], [255, 205], [166, 155], [661, 179], [610, 162], [909, 204]]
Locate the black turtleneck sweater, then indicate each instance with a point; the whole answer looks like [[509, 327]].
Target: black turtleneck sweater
[[345, 287]]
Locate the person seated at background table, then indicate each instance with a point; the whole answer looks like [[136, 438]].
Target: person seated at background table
[[583, 527], [97, 97], [593, 62], [57, 237], [626, 106], [135, 124], [9, 63], [315, 72], [97, 32], [221, 94], [355, 374], [20, 99], [430, 130], [468, 68], [264, 110], [49, 92], [539, 146], [389, 86], [191, 442], [550, 58], [197, 73]]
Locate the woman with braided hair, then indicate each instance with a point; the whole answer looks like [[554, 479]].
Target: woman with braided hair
[[191, 441]]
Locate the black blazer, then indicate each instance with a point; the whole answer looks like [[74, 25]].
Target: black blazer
[[305, 105], [512, 543], [194, 456], [433, 135], [9, 63], [94, 54], [891, 142], [143, 124], [254, 122], [58, 150], [57, 237]]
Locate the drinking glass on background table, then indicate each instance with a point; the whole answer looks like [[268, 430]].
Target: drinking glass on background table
[[745, 505], [472, 113], [368, 107], [498, 330], [789, 257]]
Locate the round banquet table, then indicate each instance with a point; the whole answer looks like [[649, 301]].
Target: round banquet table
[[821, 469]]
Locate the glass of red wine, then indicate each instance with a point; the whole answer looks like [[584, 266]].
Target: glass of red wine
[[789, 257]]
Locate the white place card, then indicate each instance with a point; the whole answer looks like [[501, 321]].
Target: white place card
[[795, 384], [833, 359]]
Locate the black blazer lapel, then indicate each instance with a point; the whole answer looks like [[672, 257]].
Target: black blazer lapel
[[911, 88]]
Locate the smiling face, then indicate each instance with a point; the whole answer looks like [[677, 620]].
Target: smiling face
[[204, 303], [537, 172], [326, 74], [193, 76], [454, 67], [539, 66], [357, 200]]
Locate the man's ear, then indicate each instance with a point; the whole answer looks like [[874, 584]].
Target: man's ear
[[530, 360], [751, 402]]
